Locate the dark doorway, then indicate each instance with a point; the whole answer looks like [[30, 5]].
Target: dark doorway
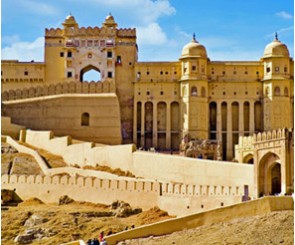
[[276, 179]]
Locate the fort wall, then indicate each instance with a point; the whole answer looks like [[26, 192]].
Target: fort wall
[[56, 89], [154, 166], [8, 128], [91, 117], [261, 206], [142, 193]]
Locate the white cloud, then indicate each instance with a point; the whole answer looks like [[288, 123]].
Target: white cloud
[[25, 51], [151, 34], [284, 15], [38, 7], [145, 11], [8, 40]]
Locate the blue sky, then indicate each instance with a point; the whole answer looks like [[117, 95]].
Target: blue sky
[[229, 29]]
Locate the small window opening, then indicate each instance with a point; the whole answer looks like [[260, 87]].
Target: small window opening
[[148, 92], [85, 119], [161, 72], [26, 73], [61, 54], [193, 68], [161, 93], [69, 74], [109, 54], [69, 54], [110, 74], [148, 73], [118, 59], [267, 69]]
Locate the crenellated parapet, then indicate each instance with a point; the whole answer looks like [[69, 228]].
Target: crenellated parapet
[[91, 31], [274, 135], [59, 88]]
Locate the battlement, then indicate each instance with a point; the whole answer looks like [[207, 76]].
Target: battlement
[[273, 135], [59, 88], [90, 31]]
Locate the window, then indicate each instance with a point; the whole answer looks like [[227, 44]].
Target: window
[[286, 92], [257, 72], [110, 74], [166, 72], [193, 68], [26, 73], [148, 73], [246, 72], [89, 43], [61, 54], [85, 119], [89, 55], [83, 43], [285, 69], [267, 69], [118, 59], [69, 54], [161, 72], [223, 73], [194, 91], [95, 43], [161, 93], [109, 54], [277, 91], [69, 74], [148, 93]]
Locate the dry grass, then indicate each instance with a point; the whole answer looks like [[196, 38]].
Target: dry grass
[[115, 171], [69, 222], [53, 161]]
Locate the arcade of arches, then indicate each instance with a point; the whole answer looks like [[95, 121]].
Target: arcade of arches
[[230, 120], [157, 125]]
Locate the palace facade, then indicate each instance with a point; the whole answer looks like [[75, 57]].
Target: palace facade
[[150, 104]]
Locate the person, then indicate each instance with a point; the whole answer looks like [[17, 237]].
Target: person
[[88, 242], [101, 236], [103, 242]]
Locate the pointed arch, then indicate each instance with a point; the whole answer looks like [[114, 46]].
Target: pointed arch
[[90, 68]]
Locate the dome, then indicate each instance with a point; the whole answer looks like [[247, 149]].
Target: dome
[[194, 49], [110, 21], [70, 21], [276, 49]]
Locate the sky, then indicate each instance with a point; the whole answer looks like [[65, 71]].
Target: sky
[[234, 30]]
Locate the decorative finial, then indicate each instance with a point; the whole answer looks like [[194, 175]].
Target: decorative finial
[[71, 14], [194, 37], [110, 14], [276, 36]]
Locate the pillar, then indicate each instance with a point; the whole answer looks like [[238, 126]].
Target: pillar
[[229, 134], [168, 126], [155, 125], [219, 122], [142, 132], [252, 118], [241, 119], [135, 123]]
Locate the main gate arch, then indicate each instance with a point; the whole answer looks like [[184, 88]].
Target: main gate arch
[[87, 69], [269, 175]]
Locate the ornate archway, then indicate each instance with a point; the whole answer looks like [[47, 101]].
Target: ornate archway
[[88, 69], [269, 175]]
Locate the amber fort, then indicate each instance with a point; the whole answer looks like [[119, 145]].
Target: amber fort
[[199, 133]]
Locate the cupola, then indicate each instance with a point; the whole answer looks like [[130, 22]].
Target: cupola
[[109, 22], [276, 49], [193, 50], [70, 21]]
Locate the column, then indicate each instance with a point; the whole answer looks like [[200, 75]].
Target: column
[[168, 126], [142, 124], [219, 122], [229, 134], [135, 123], [155, 125], [241, 119], [252, 118]]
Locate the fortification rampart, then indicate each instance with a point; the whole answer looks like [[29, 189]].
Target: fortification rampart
[[90, 31], [8, 128], [84, 153], [274, 135], [179, 199], [59, 88], [261, 206]]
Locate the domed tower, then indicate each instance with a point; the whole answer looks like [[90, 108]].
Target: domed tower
[[109, 22], [277, 86], [194, 90]]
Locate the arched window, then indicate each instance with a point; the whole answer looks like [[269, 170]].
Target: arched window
[[277, 91], [203, 92], [286, 92], [85, 119], [194, 91]]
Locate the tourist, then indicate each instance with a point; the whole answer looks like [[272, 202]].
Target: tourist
[[101, 236]]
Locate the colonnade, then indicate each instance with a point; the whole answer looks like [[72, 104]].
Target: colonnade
[[156, 124], [231, 119]]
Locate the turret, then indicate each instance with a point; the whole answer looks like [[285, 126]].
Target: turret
[[109, 22]]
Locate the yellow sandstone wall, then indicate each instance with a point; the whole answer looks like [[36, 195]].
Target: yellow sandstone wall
[[7, 128], [63, 114]]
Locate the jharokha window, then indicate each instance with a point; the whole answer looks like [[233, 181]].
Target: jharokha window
[[85, 119]]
